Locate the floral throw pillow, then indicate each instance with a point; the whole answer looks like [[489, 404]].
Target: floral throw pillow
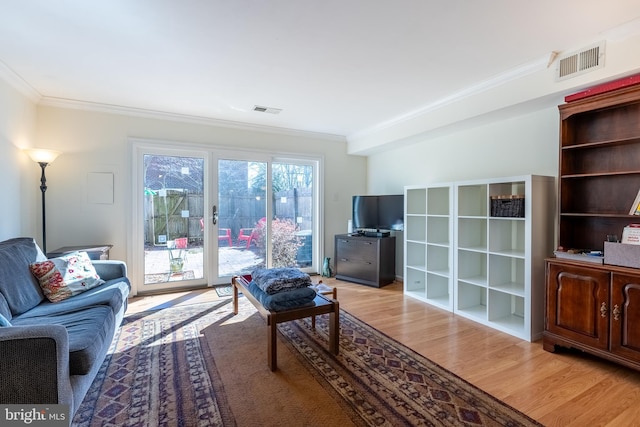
[[65, 276]]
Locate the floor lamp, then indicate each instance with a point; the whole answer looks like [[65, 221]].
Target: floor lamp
[[44, 158]]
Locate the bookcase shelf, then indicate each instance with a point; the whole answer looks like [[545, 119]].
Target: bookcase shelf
[[488, 269]]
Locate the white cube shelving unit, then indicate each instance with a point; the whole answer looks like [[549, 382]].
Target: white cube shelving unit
[[428, 244], [486, 268]]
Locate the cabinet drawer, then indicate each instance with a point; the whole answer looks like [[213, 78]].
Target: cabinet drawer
[[354, 249], [362, 270]]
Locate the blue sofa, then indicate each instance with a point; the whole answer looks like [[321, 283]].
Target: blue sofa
[[50, 352]]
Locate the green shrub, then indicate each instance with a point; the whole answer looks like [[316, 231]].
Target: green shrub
[[284, 242]]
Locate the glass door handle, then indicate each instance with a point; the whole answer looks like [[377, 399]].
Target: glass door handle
[[215, 215]]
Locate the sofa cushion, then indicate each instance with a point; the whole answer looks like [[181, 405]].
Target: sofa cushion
[[18, 286], [113, 293], [65, 276], [30, 241], [90, 333]]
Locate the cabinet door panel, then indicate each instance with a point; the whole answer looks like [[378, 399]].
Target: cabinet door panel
[[625, 316], [575, 297]]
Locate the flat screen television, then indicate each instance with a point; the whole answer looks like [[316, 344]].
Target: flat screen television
[[378, 212]]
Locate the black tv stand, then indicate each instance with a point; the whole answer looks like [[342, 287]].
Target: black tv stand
[[366, 260]]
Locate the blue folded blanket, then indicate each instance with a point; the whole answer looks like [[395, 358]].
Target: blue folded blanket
[[284, 300], [274, 280]]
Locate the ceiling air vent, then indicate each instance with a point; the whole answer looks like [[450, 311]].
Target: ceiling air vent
[[576, 63], [269, 110]]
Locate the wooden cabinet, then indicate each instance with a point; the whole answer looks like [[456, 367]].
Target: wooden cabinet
[[594, 309], [366, 260]]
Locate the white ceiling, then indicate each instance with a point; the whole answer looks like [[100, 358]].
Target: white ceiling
[[338, 67]]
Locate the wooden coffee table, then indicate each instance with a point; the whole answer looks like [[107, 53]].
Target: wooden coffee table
[[322, 305]]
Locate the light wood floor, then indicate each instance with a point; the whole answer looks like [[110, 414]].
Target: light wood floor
[[556, 389]]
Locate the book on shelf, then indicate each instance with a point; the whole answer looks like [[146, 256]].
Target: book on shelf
[[584, 256], [635, 207]]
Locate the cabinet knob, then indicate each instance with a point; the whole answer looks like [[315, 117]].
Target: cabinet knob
[[603, 310], [616, 312]]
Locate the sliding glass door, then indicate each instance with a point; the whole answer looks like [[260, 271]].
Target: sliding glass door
[[267, 215], [173, 214], [242, 216], [204, 215], [293, 186]]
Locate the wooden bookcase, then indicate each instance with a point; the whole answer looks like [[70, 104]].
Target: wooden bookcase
[[593, 307], [599, 167]]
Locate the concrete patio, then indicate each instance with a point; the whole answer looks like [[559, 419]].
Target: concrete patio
[[231, 260]]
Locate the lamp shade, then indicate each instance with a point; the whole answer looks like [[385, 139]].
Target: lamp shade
[[40, 155]]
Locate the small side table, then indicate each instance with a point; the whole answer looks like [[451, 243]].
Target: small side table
[[95, 252]]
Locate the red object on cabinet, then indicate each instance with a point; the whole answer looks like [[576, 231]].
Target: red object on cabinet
[[605, 87]]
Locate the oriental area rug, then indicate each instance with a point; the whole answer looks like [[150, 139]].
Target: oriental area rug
[[199, 365]]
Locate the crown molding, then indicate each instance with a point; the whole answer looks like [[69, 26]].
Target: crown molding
[[18, 83], [498, 80], [184, 118]]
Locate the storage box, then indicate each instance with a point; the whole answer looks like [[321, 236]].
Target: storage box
[[508, 206], [631, 234], [622, 254]]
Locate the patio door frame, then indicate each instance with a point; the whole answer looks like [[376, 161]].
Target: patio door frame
[[140, 148], [211, 154]]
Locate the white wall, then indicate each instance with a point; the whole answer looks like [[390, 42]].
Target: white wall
[[17, 129], [99, 142], [522, 145]]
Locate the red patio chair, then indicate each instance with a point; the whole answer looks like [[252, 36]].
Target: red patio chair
[[225, 234], [248, 235], [181, 243]]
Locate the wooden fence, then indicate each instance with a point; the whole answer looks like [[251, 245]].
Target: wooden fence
[[181, 214]]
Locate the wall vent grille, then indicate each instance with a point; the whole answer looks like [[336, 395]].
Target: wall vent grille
[[583, 61], [270, 110]]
